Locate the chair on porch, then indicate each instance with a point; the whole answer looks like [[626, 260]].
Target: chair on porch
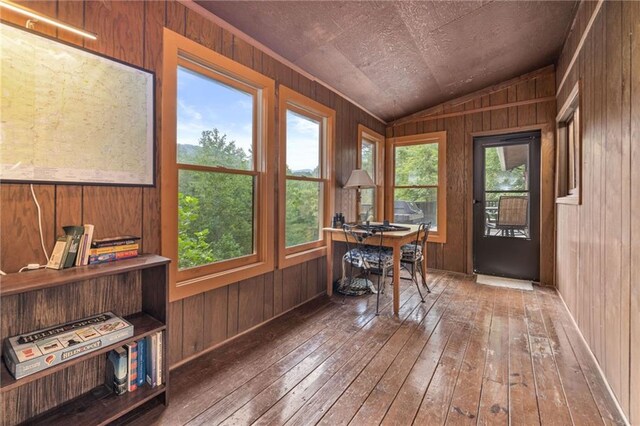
[[368, 258], [513, 216]]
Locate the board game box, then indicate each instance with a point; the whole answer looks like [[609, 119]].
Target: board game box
[[35, 351]]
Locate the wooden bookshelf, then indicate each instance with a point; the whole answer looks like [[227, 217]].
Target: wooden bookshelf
[[74, 391]]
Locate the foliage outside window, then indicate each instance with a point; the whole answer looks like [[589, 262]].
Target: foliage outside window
[[569, 150], [306, 129], [370, 206], [417, 184], [216, 186]]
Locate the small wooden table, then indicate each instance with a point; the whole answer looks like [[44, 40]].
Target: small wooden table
[[395, 240]]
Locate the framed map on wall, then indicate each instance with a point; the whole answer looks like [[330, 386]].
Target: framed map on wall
[[72, 116]]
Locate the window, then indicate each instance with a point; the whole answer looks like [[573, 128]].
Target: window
[[569, 151], [306, 178], [217, 191], [370, 206], [417, 182]]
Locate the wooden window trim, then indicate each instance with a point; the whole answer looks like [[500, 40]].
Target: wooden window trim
[[294, 101], [439, 236], [378, 141], [573, 104], [197, 280]]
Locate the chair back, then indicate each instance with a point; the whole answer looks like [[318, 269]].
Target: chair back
[[513, 211], [354, 238], [422, 237]]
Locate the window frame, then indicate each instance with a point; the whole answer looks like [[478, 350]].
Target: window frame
[[178, 51], [569, 118], [289, 99], [439, 236], [378, 141]]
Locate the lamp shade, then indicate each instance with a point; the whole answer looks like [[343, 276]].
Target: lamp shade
[[360, 179]]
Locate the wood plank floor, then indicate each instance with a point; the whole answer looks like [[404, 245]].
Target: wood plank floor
[[470, 354]]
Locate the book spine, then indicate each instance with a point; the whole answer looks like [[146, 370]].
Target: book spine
[[126, 254], [103, 250], [132, 376], [159, 358], [87, 247], [151, 366], [142, 362], [99, 244]]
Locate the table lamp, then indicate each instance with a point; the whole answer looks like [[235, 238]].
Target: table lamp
[[359, 179]]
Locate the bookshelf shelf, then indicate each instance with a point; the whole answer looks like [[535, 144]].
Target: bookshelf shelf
[[143, 325], [74, 391], [100, 406]]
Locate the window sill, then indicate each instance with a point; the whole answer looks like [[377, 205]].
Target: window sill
[[434, 238], [301, 257], [191, 287]]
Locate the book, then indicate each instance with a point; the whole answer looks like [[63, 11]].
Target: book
[[151, 364], [88, 237], [113, 249], [115, 241], [76, 233], [59, 253], [142, 361], [116, 372], [132, 366], [111, 257], [159, 358]]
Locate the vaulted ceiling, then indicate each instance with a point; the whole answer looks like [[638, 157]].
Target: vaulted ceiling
[[398, 57]]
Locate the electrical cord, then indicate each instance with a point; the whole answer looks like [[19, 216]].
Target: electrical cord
[[33, 194]]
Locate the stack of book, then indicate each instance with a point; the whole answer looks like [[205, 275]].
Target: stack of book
[[134, 364], [114, 248]]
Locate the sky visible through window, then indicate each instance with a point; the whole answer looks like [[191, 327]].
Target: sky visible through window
[[205, 104]]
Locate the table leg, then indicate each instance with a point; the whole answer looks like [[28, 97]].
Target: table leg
[[396, 279], [329, 264], [424, 263]]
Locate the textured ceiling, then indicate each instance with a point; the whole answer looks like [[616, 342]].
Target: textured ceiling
[[398, 57]]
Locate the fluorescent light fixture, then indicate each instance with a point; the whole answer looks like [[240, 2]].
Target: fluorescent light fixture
[[38, 17]]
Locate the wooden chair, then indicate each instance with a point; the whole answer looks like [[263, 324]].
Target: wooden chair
[[367, 258]]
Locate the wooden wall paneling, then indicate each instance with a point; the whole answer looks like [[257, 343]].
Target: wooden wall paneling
[[526, 113], [614, 367], [311, 279], [20, 243], [215, 316], [200, 30], [277, 292], [232, 310], [242, 52], [486, 116], [175, 332], [192, 325], [113, 210], [453, 251], [176, 17], [267, 309], [290, 287], [68, 207], [632, 12], [72, 13], [499, 117], [153, 27], [250, 303]]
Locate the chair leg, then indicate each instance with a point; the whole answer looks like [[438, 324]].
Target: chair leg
[[382, 274], [424, 278], [415, 280]]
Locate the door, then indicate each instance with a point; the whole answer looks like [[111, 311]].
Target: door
[[506, 205]]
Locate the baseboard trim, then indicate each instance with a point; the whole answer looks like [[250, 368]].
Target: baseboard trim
[[595, 360]]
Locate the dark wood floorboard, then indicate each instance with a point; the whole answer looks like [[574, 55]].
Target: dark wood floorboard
[[470, 354]]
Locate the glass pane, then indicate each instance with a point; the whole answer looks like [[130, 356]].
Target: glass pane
[[302, 216], [507, 168], [215, 217], [303, 145], [214, 123], [416, 164], [416, 206], [368, 158], [507, 214], [367, 205]]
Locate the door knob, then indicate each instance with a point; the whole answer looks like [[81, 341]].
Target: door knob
[[477, 201]]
